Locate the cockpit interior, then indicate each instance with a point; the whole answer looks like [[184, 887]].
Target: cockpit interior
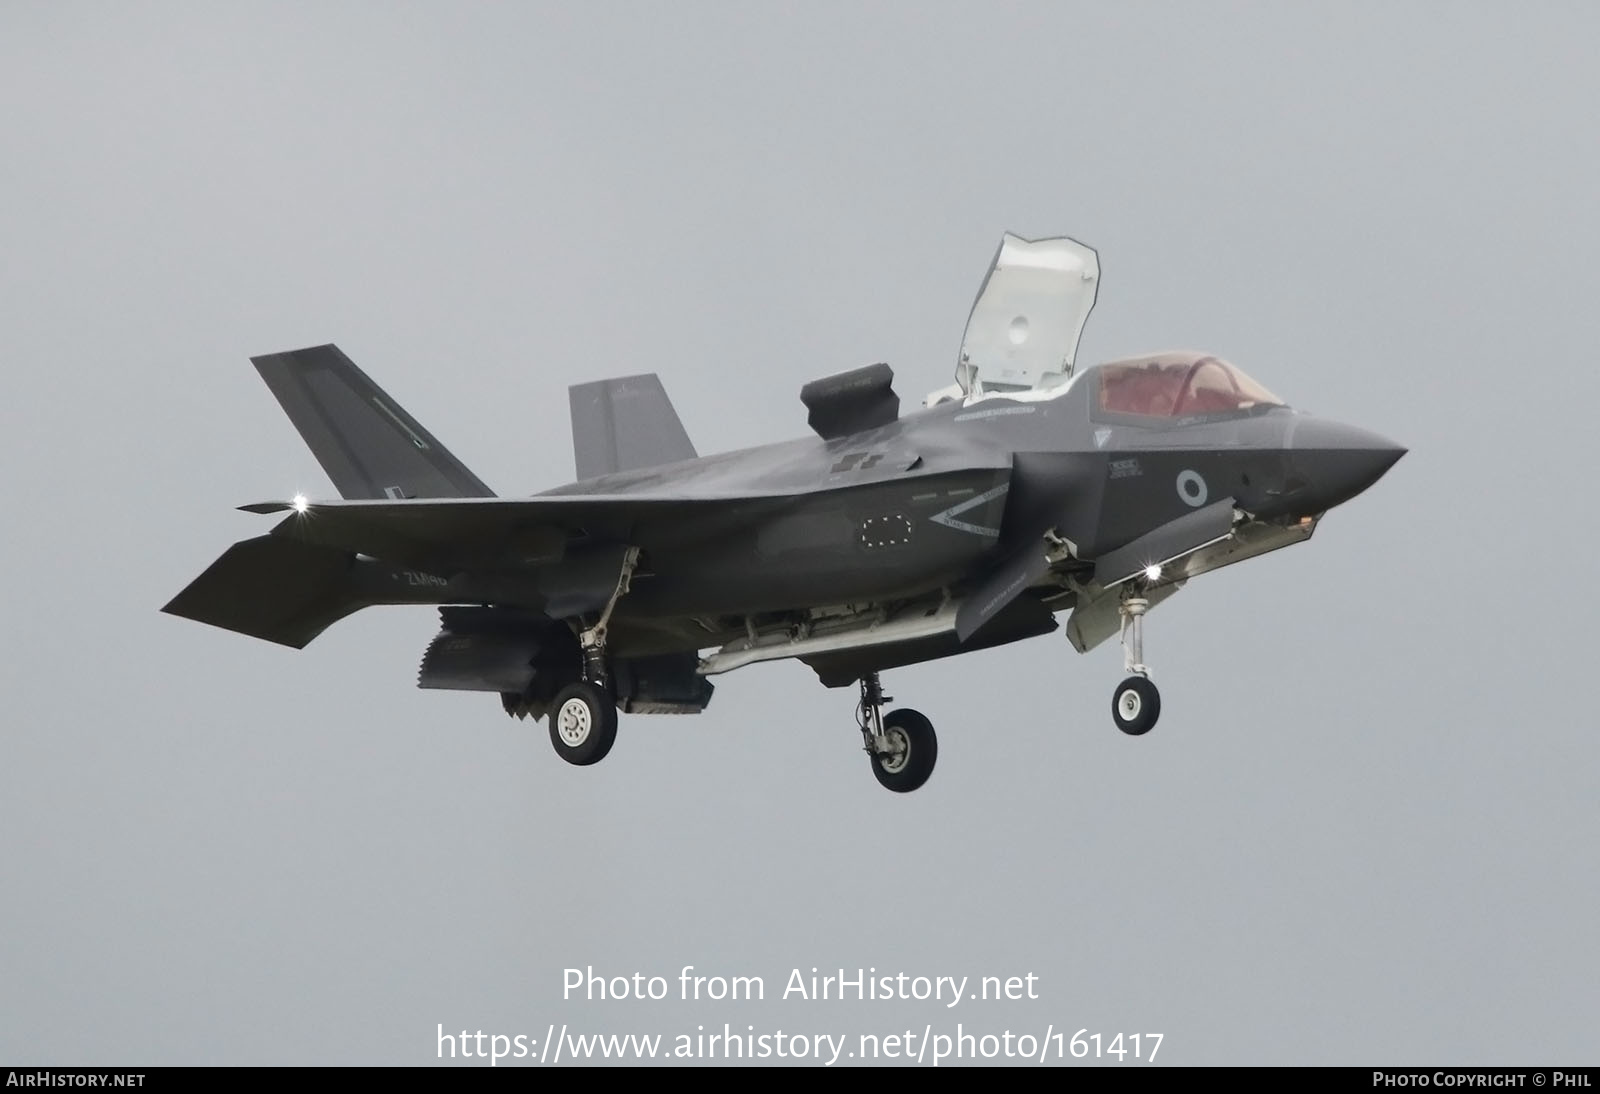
[[1178, 385]]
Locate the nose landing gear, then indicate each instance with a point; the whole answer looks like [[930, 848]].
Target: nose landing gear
[[1136, 704]]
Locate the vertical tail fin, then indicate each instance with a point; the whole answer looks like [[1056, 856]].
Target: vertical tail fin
[[625, 424], [369, 446]]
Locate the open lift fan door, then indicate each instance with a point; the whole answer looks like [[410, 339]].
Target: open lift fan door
[[1025, 324]]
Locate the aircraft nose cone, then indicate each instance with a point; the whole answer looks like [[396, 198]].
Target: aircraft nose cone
[[1338, 461]]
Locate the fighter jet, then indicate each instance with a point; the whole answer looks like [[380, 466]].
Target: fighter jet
[[1027, 489]]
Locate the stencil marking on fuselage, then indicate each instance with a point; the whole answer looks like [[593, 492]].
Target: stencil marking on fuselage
[[949, 517]]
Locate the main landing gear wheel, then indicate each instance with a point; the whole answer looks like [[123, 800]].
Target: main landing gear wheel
[[901, 746], [912, 749], [583, 724], [1136, 706]]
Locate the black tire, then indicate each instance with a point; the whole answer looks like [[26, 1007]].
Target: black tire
[[583, 724], [1135, 706], [917, 749]]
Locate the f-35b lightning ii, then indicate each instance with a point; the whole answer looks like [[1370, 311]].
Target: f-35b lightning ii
[[1026, 489]]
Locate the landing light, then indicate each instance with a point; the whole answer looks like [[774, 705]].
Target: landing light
[[300, 503], [1152, 572]]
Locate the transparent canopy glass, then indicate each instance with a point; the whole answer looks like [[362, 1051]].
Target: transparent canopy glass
[[1177, 385]]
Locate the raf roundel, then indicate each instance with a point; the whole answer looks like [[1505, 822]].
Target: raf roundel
[[1192, 488]]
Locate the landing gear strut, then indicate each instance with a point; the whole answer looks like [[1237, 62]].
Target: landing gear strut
[[583, 718], [593, 640], [1136, 704], [902, 746]]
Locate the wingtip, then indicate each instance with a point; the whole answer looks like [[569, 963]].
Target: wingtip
[[265, 507]]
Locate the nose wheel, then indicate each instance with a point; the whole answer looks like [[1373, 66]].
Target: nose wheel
[[1136, 704]]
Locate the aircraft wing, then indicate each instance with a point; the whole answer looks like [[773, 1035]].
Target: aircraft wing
[[455, 533]]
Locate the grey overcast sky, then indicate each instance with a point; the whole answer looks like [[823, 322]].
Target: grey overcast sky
[[1365, 829]]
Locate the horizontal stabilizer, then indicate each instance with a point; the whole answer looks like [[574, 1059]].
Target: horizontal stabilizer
[[366, 442], [623, 425], [272, 588]]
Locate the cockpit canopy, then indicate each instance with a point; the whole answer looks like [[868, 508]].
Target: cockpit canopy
[[1178, 385]]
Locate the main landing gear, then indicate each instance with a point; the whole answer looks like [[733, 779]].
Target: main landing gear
[[583, 723], [583, 718], [901, 745], [1136, 703]]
